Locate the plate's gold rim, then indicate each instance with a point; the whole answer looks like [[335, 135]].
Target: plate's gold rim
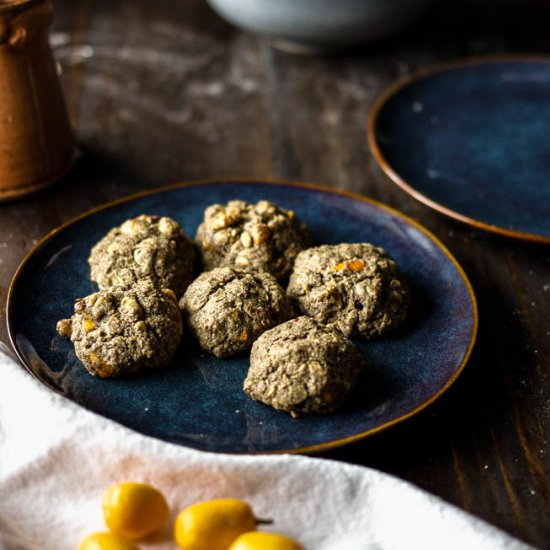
[[386, 167], [266, 181]]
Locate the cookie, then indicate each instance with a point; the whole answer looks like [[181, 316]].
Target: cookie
[[302, 367], [144, 247], [354, 288], [226, 309], [251, 237], [119, 331]]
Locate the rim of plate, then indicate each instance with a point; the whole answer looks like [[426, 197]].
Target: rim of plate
[[275, 182], [386, 167]]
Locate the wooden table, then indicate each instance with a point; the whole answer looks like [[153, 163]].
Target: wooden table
[[165, 91]]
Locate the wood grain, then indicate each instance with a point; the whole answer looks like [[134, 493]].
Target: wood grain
[[165, 91]]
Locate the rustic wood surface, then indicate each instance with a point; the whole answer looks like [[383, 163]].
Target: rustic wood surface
[[165, 91]]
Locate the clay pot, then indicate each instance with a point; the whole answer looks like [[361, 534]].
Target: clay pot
[[36, 143]]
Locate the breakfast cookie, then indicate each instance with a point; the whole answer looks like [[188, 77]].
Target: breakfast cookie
[[354, 288], [227, 309], [146, 246], [302, 367], [118, 331], [251, 237]]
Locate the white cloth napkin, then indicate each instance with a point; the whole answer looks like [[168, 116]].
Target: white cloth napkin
[[56, 459]]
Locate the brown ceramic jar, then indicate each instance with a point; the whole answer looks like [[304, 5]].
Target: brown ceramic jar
[[36, 143]]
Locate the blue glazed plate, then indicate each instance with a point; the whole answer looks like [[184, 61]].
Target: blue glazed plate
[[471, 140], [198, 400]]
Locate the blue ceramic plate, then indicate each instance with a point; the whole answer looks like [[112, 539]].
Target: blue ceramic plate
[[471, 140], [198, 400]]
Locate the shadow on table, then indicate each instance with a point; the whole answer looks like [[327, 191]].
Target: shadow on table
[[467, 28]]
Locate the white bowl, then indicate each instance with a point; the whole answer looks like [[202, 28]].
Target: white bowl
[[309, 25]]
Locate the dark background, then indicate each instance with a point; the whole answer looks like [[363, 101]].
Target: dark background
[[165, 91]]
